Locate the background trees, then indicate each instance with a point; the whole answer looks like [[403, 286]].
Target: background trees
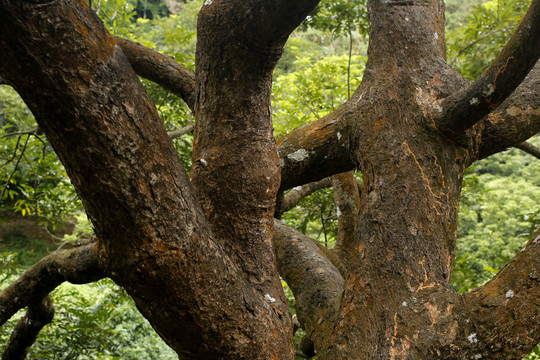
[[321, 86]]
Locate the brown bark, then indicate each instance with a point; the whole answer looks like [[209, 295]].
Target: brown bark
[[516, 120], [27, 329], [78, 266], [315, 281], [161, 70], [465, 108], [199, 261], [347, 197], [294, 196], [177, 133], [529, 149]]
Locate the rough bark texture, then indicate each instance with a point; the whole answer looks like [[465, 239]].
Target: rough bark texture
[[27, 329], [201, 257]]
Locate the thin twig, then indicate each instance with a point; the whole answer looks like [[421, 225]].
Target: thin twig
[[15, 169]]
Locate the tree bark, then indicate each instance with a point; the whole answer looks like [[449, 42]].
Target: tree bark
[[201, 257]]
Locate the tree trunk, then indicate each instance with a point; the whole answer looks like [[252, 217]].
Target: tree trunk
[[199, 255]]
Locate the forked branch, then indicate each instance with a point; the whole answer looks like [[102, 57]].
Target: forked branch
[[515, 121], [465, 108], [78, 266], [27, 329]]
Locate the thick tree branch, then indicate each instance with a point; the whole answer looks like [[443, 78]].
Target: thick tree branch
[[258, 24], [507, 307], [315, 281], [516, 120], [152, 230], [315, 151], [465, 108], [160, 69], [78, 266], [529, 149], [27, 329], [294, 196]]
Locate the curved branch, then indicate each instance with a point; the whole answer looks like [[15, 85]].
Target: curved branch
[[258, 24], [160, 69], [177, 133], [507, 307], [78, 266], [317, 150], [465, 108], [293, 197], [28, 328], [315, 281], [516, 120], [529, 149]]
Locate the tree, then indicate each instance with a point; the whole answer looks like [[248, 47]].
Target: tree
[[201, 256]]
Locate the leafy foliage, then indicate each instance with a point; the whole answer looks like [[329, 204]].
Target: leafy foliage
[[489, 25]]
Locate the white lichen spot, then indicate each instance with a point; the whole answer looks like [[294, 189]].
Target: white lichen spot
[[437, 108], [208, 2], [299, 155], [404, 303], [297, 188], [436, 36], [488, 90], [339, 135], [509, 294], [406, 19], [474, 101], [472, 338], [204, 162], [478, 356], [338, 211], [270, 299]]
